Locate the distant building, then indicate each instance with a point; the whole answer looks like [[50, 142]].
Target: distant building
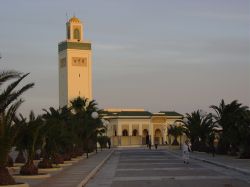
[[128, 127], [75, 64]]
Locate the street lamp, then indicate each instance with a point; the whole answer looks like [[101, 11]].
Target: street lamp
[[94, 115], [185, 120], [202, 113]]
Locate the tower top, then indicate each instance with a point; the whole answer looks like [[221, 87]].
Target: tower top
[[74, 20], [74, 30]]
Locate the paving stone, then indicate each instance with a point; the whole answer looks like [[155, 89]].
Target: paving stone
[[146, 168]]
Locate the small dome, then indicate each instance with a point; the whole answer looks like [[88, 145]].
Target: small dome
[[74, 20]]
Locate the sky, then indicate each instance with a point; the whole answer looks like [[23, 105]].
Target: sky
[[172, 55]]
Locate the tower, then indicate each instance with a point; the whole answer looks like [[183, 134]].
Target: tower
[[75, 64]]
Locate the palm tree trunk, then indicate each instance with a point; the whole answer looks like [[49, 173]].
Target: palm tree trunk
[[20, 157], [29, 169], [5, 177], [45, 163], [10, 162], [58, 158]]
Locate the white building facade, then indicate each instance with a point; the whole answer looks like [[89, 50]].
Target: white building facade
[[129, 127]]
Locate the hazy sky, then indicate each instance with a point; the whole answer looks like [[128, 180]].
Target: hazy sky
[[180, 55]]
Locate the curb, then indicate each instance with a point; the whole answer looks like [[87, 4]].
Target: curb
[[94, 171], [245, 172]]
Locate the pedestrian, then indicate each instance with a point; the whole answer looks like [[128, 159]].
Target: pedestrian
[[186, 148], [149, 143], [109, 143], [156, 144], [147, 140]]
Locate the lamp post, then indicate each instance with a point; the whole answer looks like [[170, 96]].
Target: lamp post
[[185, 121], [95, 115], [202, 113]]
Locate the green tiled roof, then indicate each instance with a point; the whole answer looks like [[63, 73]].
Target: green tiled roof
[[73, 45], [134, 113], [139, 114], [171, 113], [127, 114]]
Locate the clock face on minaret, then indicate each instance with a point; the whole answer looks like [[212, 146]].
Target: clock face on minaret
[[75, 64]]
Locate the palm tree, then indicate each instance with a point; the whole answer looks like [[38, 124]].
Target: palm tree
[[199, 129], [32, 134], [55, 137], [20, 139], [244, 130], [9, 104], [229, 117], [175, 131], [87, 127]]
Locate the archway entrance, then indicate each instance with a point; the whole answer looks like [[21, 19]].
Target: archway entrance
[[158, 136]]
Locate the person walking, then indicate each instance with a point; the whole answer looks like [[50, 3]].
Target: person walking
[[186, 148], [156, 143], [147, 140], [149, 143], [109, 143]]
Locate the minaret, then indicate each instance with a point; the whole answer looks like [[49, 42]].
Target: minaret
[[75, 64]]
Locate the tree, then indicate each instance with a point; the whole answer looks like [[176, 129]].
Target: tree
[[20, 139], [244, 130], [32, 134], [87, 127], [103, 141], [9, 104], [229, 117], [55, 137], [175, 131], [199, 129]]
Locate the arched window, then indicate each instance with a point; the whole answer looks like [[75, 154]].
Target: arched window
[[135, 132], [157, 133], [124, 132], [77, 34]]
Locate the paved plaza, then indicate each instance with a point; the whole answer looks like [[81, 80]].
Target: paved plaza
[[140, 167]]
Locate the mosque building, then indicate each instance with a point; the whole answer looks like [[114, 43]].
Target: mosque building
[[125, 127]]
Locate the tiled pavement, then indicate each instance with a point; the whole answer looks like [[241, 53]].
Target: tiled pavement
[[230, 162], [140, 167], [70, 176]]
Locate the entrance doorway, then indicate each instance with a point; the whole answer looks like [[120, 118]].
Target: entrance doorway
[[158, 136], [144, 134]]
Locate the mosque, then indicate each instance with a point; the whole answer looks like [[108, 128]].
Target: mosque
[[126, 127]]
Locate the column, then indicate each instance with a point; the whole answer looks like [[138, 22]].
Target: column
[[151, 132], [119, 132], [140, 130], [119, 129], [130, 129]]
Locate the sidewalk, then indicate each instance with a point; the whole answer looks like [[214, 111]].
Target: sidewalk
[[240, 165], [79, 173]]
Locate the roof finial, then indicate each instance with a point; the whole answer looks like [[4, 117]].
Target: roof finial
[[67, 18]]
